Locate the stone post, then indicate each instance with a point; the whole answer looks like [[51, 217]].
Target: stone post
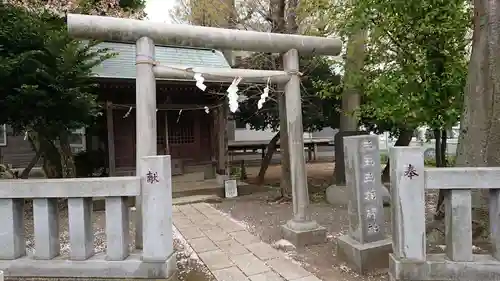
[[145, 100], [301, 230], [408, 203], [365, 247], [286, 177], [156, 185]]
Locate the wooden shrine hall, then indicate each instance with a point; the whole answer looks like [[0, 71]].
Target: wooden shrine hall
[[187, 117]]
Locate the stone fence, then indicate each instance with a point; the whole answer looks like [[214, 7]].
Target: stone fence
[[156, 260], [409, 181]]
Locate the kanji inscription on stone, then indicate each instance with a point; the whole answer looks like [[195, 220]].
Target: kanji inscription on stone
[[410, 171], [373, 228], [366, 216], [152, 177], [368, 161], [371, 214], [368, 145], [368, 177], [370, 195]]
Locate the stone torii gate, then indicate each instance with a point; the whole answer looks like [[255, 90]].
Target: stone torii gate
[[300, 230]]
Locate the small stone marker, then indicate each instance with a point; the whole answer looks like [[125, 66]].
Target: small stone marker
[[365, 245], [156, 180], [231, 188]]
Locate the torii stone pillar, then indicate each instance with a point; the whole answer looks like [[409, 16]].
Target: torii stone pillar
[[300, 230], [145, 116]]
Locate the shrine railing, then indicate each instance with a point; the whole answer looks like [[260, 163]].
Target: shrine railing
[[118, 261], [409, 181]]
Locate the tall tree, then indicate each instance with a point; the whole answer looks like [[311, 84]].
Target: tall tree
[[72, 53], [479, 144], [47, 89], [415, 62]]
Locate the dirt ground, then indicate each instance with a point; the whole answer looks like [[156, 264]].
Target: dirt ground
[[264, 220], [319, 177]]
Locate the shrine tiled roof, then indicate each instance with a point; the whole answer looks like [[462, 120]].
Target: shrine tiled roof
[[123, 64]]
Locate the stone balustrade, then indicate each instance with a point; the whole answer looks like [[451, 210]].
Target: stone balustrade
[[155, 261], [409, 180]]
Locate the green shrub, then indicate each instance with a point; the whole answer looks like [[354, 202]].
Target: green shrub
[[450, 161], [383, 158]]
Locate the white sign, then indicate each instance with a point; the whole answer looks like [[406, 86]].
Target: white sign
[[3, 135], [231, 188]]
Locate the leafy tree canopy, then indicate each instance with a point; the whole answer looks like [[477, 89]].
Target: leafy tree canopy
[[317, 113], [46, 76], [113, 8], [416, 57]]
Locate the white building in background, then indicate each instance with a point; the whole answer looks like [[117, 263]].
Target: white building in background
[[242, 132]]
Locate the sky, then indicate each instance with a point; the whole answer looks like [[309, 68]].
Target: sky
[[158, 10]]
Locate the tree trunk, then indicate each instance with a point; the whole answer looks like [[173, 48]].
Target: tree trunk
[[441, 150], [35, 145], [26, 172], [351, 93], [279, 25], [271, 148], [479, 140], [48, 151], [404, 139], [51, 159], [437, 148], [475, 122], [67, 161]]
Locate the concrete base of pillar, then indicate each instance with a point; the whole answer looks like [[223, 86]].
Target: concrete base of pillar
[[302, 234], [364, 258]]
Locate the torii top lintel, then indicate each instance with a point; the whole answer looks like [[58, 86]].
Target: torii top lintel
[[129, 30]]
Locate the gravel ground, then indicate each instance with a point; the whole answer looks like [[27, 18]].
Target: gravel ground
[[189, 265], [264, 220]]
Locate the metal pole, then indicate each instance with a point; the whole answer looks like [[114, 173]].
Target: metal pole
[[145, 99], [129, 30]]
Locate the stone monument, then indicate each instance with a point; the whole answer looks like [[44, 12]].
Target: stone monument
[[366, 246]]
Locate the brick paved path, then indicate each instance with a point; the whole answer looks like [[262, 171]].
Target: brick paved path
[[229, 251]]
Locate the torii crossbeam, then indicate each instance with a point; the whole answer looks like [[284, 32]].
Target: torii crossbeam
[[300, 229]]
